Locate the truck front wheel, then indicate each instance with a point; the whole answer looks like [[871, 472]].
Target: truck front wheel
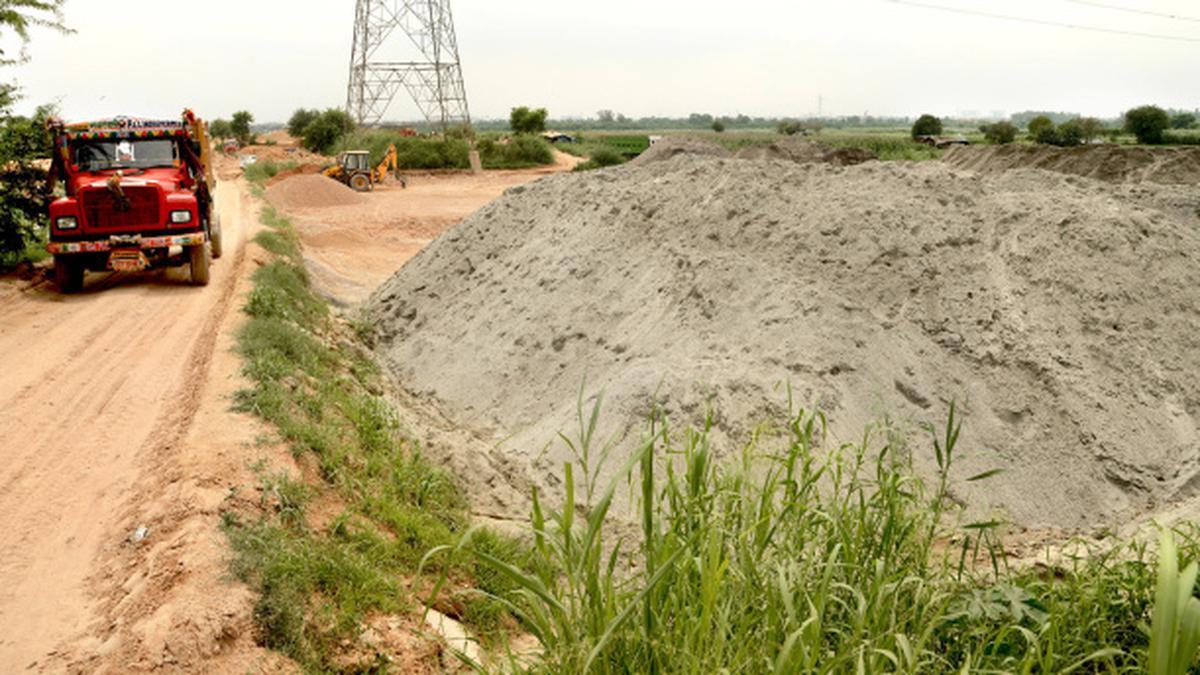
[[214, 236], [68, 274], [199, 258]]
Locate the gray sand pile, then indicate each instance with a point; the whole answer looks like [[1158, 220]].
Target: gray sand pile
[[311, 191], [1062, 313], [670, 147], [1103, 162]]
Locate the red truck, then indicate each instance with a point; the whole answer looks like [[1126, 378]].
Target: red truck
[[138, 195]]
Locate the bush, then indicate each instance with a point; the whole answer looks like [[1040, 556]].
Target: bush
[[324, 132], [522, 120], [1147, 123], [520, 152], [1183, 121], [23, 186], [718, 126], [789, 128], [1069, 133], [300, 121], [1000, 133], [927, 125], [1042, 130], [602, 157]]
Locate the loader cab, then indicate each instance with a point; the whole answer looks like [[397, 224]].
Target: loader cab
[[355, 161]]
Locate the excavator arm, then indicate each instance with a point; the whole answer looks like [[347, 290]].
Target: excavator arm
[[391, 162]]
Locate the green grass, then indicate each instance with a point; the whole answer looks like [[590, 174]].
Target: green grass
[[314, 382], [261, 171], [794, 557]]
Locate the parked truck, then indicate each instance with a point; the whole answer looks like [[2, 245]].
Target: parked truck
[[138, 195]]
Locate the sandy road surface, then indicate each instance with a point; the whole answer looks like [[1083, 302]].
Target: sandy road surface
[[114, 413]]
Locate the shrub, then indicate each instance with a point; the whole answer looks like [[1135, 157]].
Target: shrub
[[23, 186], [1042, 130], [718, 126], [1000, 133], [522, 120], [602, 157], [1183, 121], [927, 125], [519, 152], [300, 121], [789, 128], [220, 129], [1069, 133], [324, 132], [1147, 123], [1091, 127]]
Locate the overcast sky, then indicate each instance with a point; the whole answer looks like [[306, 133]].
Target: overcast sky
[[637, 57]]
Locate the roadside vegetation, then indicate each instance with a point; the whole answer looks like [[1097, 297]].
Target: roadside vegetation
[[322, 576], [495, 151], [797, 557]]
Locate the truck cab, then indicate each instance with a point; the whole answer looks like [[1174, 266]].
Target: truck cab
[[137, 195]]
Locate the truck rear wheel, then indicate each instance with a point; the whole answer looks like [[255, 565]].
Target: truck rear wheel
[[360, 182], [214, 236], [199, 257], [68, 274]]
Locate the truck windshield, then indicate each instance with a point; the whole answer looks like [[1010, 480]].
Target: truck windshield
[[133, 154]]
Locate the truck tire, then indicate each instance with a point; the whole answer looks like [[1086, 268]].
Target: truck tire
[[360, 182], [68, 274], [199, 257], [214, 236]]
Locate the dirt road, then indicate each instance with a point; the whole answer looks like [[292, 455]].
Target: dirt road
[[114, 414]]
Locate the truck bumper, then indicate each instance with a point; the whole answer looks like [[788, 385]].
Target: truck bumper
[[117, 242]]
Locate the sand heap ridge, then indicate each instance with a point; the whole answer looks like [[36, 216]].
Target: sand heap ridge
[[1060, 312], [1104, 162]]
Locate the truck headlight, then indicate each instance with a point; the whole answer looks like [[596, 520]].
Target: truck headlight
[[179, 217], [67, 223]]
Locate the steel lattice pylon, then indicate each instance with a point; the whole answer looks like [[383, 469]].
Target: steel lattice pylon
[[433, 78]]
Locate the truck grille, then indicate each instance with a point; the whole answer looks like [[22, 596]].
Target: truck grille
[[103, 210]]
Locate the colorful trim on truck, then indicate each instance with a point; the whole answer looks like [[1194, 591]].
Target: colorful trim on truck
[[103, 246]]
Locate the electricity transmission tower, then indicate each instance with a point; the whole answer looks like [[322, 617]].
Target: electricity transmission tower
[[433, 74]]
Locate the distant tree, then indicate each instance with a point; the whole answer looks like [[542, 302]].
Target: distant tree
[[522, 120], [927, 125], [1000, 133], [606, 116], [300, 120], [1183, 121], [1042, 130], [220, 128], [1147, 123], [718, 126], [323, 133], [700, 120], [240, 125], [1069, 133], [621, 119], [1091, 128]]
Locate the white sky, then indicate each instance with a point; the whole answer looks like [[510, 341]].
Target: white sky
[[637, 57]]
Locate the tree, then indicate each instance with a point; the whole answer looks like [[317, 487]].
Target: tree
[[1183, 121], [1147, 123], [300, 120], [1000, 133], [927, 125], [789, 127], [1042, 130], [606, 116], [1091, 128], [1069, 133], [718, 126], [522, 120], [323, 133], [19, 16], [220, 128], [240, 125]]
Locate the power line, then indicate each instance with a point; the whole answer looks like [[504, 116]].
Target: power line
[[1133, 10], [1043, 22]]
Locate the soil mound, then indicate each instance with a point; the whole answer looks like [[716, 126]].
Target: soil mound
[[674, 146], [310, 191], [804, 152], [1104, 162], [1061, 313]]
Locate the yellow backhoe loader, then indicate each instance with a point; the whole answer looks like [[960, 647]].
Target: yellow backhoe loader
[[354, 169]]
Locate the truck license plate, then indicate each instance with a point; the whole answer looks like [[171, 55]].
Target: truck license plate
[[128, 261]]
